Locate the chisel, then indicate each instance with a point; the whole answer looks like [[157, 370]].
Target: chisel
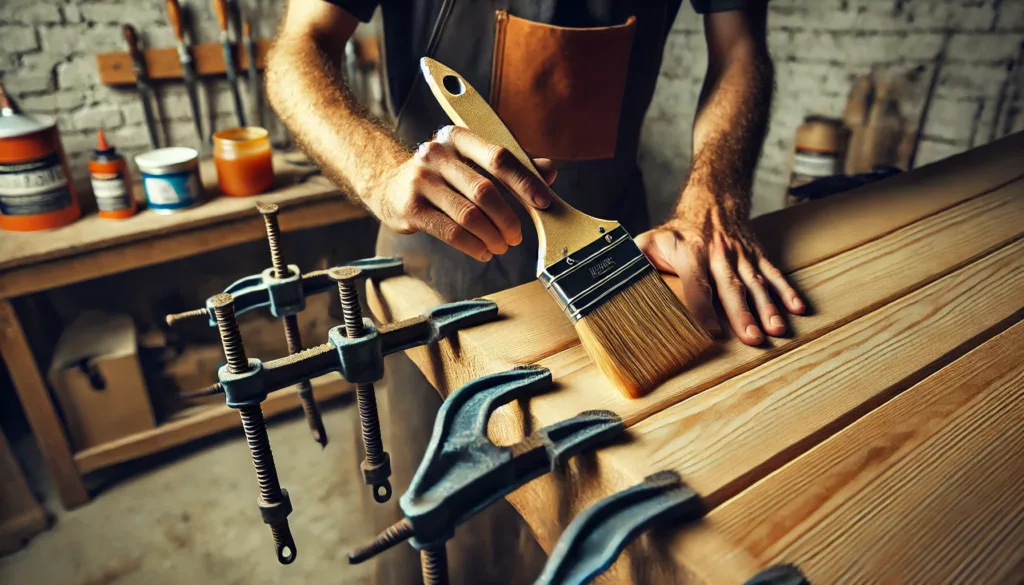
[[255, 89], [141, 81], [220, 7], [187, 68]]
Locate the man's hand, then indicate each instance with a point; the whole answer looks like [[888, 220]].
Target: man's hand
[[712, 252], [438, 191]]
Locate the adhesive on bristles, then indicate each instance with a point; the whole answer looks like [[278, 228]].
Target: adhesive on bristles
[[642, 336]]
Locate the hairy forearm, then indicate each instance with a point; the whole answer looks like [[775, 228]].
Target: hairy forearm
[[728, 133], [304, 87]]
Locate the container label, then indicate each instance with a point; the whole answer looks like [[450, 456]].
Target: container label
[[111, 191], [809, 165], [34, 187], [174, 191]]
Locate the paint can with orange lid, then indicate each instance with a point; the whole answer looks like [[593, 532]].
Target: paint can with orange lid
[[36, 191]]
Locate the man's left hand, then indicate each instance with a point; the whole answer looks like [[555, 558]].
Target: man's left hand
[[713, 252]]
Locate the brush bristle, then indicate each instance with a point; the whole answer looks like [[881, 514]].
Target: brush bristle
[[642, 336]]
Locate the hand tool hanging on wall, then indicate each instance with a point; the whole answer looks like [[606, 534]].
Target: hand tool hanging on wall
[[255, 87], [187, 67], [220, 7], [141, 81], [463, 472]]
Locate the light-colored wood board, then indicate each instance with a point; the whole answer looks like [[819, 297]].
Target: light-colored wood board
[[728, 437], [539, 329], [92, 232], [839, 289], [21, 516], [201, 422], [794, 237], [39, 409], [207, 58], [246, 226], [779, 517]]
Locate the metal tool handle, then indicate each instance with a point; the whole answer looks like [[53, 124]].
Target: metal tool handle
[[174, 16]]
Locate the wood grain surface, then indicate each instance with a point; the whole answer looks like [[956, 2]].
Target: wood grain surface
[[207, 58], [726, 438], [887, 464], [836, 289]]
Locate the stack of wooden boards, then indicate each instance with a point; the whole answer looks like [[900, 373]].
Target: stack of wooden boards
[[879, 443]]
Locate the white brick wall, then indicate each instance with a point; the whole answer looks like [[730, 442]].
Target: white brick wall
[[819, 46], [47, 62]]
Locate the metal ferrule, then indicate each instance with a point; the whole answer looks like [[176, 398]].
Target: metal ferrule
[[587, 278]]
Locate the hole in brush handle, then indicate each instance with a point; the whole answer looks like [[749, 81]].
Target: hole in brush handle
[[453, 85]]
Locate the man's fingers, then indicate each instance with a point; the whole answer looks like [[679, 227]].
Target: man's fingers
[[733, 295], [787, 293], [481, 192], [468, 216], [689, 260], [771, 319], [442, 227], [501, 163], [548, 169]]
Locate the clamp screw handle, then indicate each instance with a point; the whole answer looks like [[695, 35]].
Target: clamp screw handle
[[269, 212], [392, 535], [346, 277], [434, 564], [174, 318], [230, 337]]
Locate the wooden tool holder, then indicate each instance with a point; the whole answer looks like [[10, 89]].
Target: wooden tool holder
[[208, 58]]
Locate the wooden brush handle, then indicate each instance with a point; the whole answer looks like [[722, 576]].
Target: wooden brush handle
[[174, 15], [560, 227]]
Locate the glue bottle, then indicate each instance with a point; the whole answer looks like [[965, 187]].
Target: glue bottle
[[110, 182]]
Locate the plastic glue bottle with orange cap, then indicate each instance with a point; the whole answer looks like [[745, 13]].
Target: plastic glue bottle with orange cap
[[110, 182]]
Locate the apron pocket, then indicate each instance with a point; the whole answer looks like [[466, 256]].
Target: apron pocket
[[558, 89]]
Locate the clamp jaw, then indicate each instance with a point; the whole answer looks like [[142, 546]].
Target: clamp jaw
[[463, 472], [596, 537], [358, 360], [287, 296]]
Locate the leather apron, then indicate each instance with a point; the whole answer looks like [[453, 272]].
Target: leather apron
[[577, 94]]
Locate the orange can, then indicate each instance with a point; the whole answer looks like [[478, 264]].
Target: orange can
[[243, 160], [36, 192]]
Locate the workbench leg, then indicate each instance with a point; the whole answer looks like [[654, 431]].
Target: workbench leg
[[35, 399]]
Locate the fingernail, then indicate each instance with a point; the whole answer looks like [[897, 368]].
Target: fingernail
[[713, 327], [798, 304], [486, 257], [541, 202], [516, 239], [754, 333], [776, 321]]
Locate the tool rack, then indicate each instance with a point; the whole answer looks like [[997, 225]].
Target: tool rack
[[92, 247]]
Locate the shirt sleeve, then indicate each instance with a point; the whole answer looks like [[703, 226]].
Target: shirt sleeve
[[361, 9], [709, 6]]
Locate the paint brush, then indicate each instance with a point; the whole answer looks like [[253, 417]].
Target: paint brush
[[632, 326]]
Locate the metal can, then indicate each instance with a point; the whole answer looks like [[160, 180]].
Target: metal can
[[36, 192], [170, 177]]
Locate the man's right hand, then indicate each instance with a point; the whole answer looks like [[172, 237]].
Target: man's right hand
[[438, 191]]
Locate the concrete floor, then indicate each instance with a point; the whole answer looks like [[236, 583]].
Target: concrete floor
[[189, 516]]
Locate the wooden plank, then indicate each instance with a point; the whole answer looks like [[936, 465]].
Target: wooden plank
[[207, 58], [924, 489], [293, 188], [778, 516], [42, 417], [205, 421], [837, 289], [805, 234], [21, 516], [726, 438]]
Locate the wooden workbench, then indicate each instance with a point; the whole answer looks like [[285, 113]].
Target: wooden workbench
[[93, 247], [880, 442]]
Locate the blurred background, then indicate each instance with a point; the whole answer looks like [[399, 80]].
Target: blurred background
[[870, 83]]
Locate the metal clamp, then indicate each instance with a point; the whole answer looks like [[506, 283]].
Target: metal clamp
[[463, 472], [597, 536], [287, 296]]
